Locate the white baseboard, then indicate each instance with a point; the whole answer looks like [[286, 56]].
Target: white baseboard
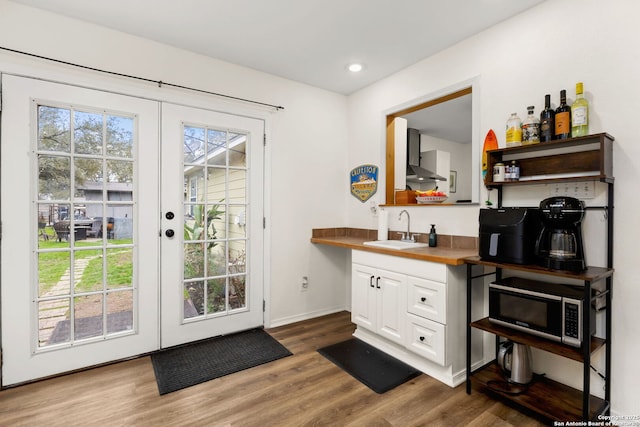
[[303, 316]]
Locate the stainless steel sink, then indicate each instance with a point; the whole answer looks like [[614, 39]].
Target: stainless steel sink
[[395, 244]]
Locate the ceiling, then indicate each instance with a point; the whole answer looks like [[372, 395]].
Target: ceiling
[[302, 40]]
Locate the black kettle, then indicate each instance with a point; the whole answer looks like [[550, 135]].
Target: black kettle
[[515, 361]]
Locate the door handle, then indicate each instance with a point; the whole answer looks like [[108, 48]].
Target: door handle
[[169, 215], [378, 282], [371, 281], [169, 233]]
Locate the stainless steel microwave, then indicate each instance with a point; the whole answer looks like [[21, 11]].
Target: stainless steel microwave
[[548, 310]]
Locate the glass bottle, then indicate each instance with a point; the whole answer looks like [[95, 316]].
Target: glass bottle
[[514, 131], [563, 117], [579, 113], [547, 121], [530, 128]]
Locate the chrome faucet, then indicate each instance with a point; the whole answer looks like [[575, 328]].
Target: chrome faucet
[[408, 237]]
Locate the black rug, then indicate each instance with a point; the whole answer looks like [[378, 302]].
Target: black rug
[[372, 367], [180, 367]]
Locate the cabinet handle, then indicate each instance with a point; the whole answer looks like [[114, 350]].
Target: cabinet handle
[[371, 281], [423, 299], [378, 282], [421, 338]]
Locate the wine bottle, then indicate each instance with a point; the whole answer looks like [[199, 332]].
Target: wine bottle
[[547, 121], [563, 117], [579, 114]]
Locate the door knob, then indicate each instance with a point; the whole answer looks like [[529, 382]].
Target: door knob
[[169, 233], [169, 215]]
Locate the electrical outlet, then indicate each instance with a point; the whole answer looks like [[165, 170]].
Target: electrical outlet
[[579, 190], [305, 284]]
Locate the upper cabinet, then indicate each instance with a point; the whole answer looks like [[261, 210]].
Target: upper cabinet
[[430, 135]]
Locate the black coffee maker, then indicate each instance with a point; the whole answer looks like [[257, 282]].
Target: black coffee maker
[[559, 245]]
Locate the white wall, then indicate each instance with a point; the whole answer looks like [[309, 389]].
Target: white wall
[[306, 146], [543, 50]]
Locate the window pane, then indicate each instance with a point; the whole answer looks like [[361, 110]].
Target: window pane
[[87, 316], [120, 171], [237, 150], [237, 292], [217, 259], [87, 132], [237, 221], [194, 299], [193, 260], [119, 311], [54, 132], [237, 257], [216, 295], [88, 271], [216, 222], [119, 268], [216, 147], [54, 175], [88, 179], [53, 322], [237, 186], [120, 136], [54, 276], [193, 145]]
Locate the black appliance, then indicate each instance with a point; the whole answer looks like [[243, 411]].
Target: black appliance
[[549, 310], [559, 245], [509, 234]]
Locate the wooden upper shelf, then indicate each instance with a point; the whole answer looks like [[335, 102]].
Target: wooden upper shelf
[[585, 158]]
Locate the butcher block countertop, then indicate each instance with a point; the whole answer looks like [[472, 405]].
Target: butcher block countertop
[[451, 250]]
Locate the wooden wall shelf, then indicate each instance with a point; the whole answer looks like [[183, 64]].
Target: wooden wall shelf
[[547, 398]]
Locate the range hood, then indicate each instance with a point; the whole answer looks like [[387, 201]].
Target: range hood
[[416, 173]]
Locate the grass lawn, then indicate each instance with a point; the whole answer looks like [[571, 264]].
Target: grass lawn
[[52, 265]]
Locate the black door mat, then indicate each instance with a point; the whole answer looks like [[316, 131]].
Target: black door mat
[[180, 367], [372, 367]]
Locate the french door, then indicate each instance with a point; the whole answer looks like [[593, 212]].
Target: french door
[[212, 224], [90, 272]]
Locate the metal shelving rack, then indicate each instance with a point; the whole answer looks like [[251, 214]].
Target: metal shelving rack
[[588, 158]]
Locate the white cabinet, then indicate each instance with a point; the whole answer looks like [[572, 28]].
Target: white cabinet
[[413, 310], [379, 301]]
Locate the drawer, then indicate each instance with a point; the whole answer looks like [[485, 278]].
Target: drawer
[[411, 267], [427, 299], [426, 338]]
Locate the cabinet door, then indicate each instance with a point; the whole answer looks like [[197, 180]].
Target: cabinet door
[[363, 296], [392, 297]]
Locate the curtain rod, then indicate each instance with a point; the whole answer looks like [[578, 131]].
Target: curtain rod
[[160, 83]]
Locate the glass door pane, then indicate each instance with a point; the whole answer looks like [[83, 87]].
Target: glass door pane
[[214, 173], [85, 208]]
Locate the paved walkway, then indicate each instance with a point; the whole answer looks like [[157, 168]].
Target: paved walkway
[[54, 311]]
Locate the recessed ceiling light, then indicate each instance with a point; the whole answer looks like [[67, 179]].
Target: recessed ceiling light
[[354, 68]]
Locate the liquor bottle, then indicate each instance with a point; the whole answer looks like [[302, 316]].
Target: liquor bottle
[[579, 114], [547, 121], [530, 128], [514, 131], [563, 117]]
